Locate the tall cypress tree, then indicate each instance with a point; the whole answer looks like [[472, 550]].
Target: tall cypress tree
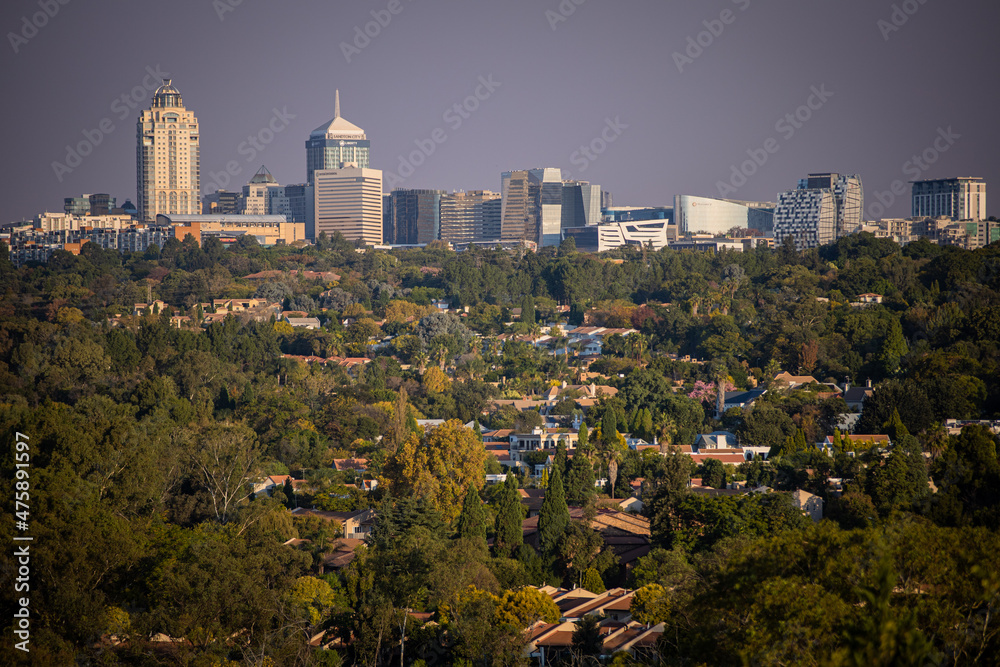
[[647, 424], [528, 309], [561, 459], [472, 521], [579, 480], [553, 519], [509, 534], [609, 427], [583, 440]]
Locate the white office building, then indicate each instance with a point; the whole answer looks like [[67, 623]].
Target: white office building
[[349, 201], [708, 215], [610, 235]]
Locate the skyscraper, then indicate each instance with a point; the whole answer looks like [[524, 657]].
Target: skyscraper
[[470, 217], [581, 204], [822, 208], [263, 196], [349, 201], [961, 198], [848, 193], [168, 163], [531, 208], [416, 216], [808, 216], [336, 144]]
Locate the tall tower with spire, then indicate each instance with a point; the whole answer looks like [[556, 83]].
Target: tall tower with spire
[[168, 166], [336, 144]]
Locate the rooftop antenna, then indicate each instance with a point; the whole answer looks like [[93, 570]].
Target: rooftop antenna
[[336, 104]]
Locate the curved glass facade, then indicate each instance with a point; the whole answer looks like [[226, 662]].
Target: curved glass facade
[[717, 216]]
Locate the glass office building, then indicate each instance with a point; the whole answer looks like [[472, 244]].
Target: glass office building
[[416, 216], [531, 206], [709, 215], [336, 144]]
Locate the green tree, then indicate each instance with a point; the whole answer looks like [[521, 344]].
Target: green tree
[[583, 440], [313, 597], [587, 639], [223, 457], [528, 310], [592, 581], [579, 480], [472, 520], [650, 604], [553, 518], [509, 515], [713, 474]]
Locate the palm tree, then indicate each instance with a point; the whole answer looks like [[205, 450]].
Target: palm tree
[[420, 359], [441, 353]]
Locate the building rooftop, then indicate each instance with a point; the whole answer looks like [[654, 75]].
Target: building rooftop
[[339, 127]]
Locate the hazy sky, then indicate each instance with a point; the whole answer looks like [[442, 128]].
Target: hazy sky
[[674, 95]]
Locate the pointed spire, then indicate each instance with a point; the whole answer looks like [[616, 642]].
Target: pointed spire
[[336, 104]]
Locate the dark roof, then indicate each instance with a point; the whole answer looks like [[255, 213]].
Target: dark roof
[[744, 396], [855, 394]]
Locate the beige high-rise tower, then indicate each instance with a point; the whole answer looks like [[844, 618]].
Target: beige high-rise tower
[[168, 164], [349, 201]]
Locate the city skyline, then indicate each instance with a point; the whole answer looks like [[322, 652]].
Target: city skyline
[[674, 109]]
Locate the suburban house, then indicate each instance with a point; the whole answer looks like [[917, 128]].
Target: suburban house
[[856, 443], [625, 533], [811, 505], [741, 399], [340, 556], [794, 381], [868, 300], [855, 397], [269, 483], [539, 439], [157, 307], [302, 322], [355, 464], [550, 642], [356, 525], [716, 440]]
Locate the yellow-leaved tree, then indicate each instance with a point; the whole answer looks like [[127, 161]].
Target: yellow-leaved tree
[[439, 466]]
